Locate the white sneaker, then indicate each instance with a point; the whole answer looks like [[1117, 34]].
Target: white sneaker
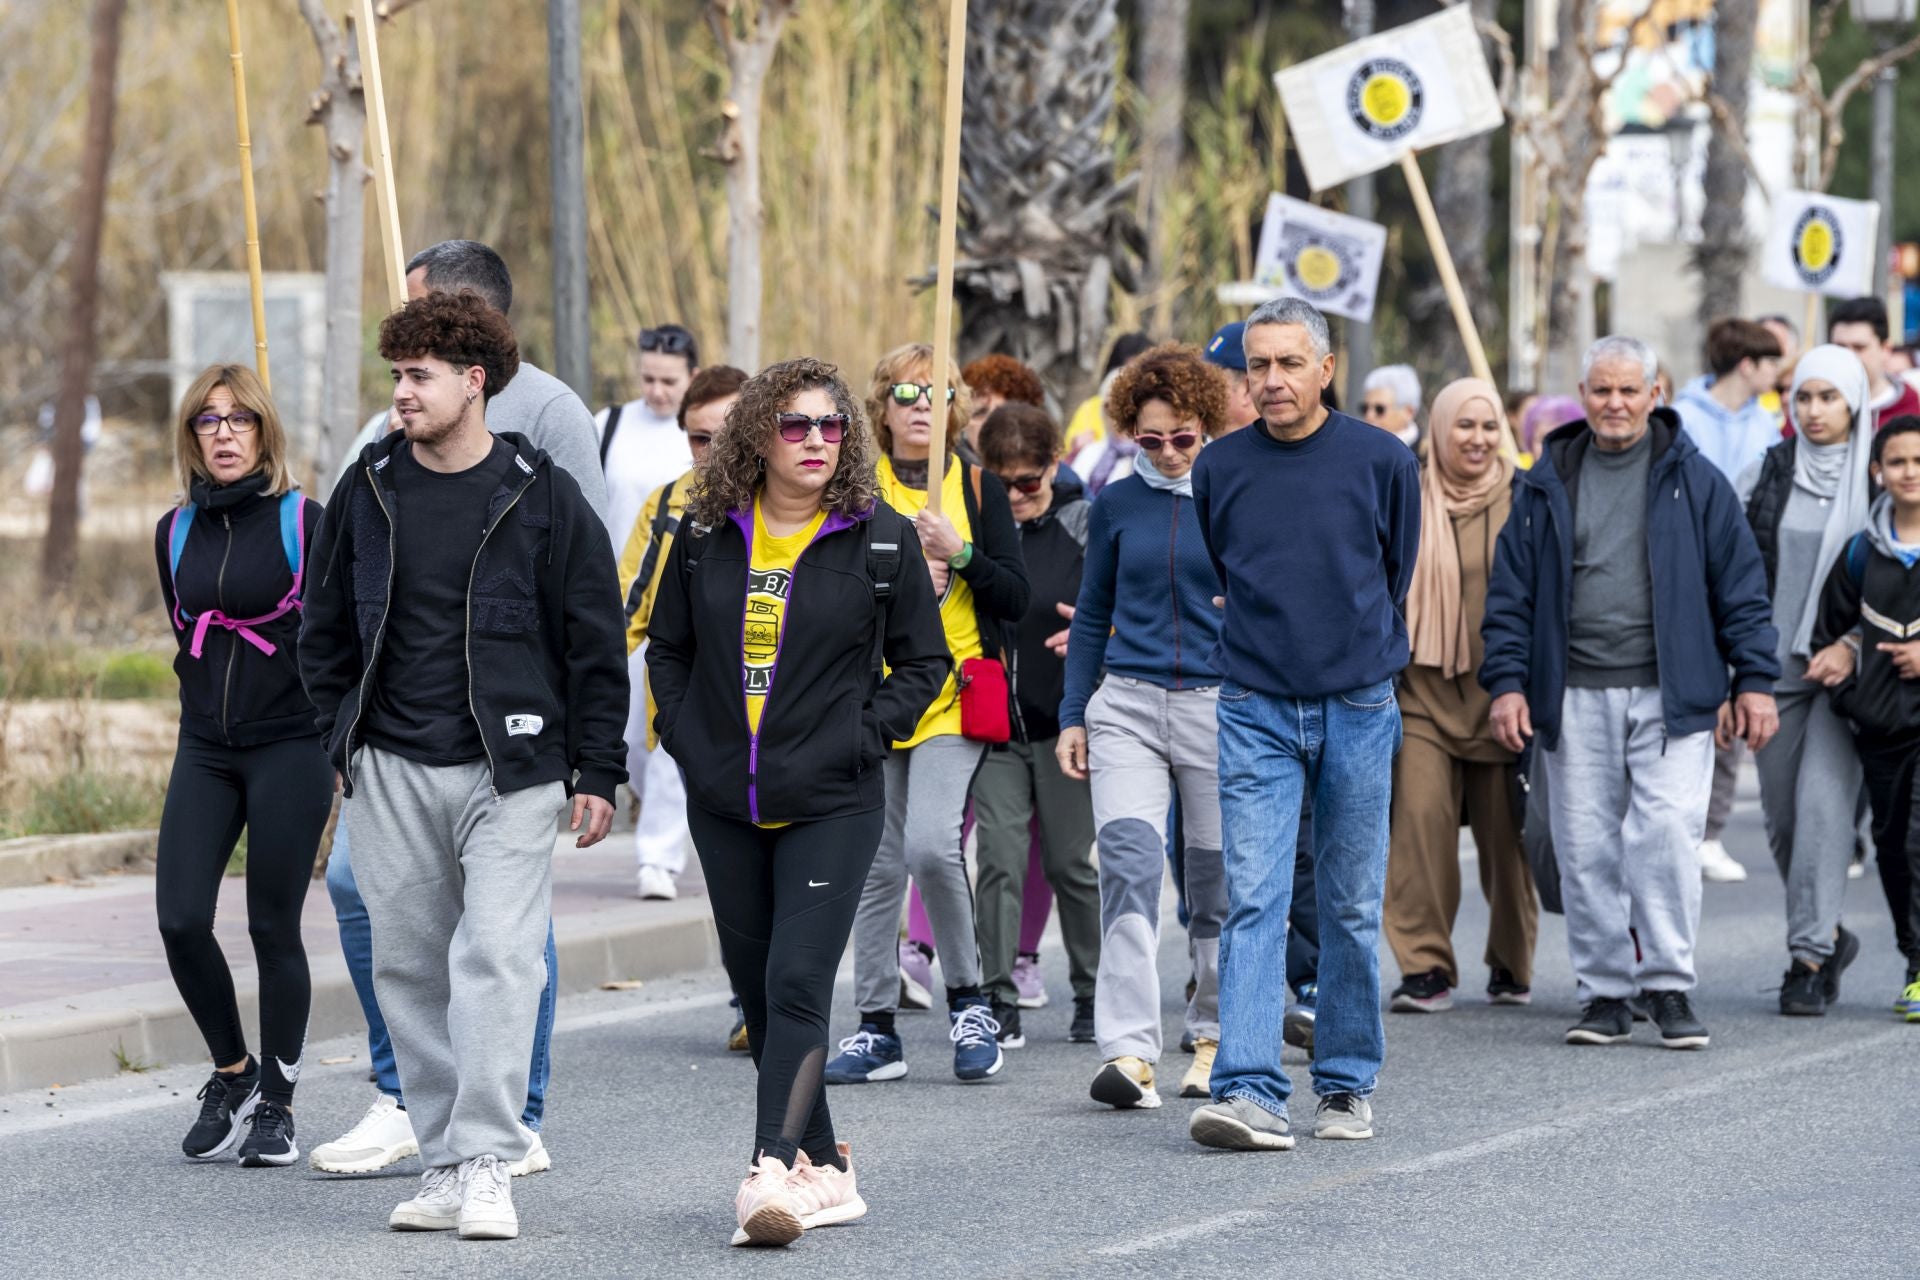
[[535, 1161], [656, 884], [1718, 866], [384, 1136], [486, 1208], [436, 1206]]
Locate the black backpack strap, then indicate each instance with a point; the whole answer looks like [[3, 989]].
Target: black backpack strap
[[883, 570], [606, 437]]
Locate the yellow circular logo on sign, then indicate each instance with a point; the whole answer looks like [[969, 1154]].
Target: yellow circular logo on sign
[[1817, 246], [1385, 99], [1317, 267]]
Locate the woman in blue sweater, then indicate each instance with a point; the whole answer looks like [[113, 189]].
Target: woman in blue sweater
[[1146, 615]]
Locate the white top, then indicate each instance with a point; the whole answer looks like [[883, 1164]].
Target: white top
[[647, 451]]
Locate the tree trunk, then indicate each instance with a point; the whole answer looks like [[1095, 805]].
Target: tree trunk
[[340, 109], [1163, 83], [76, 372], [1721, 256], [566, 130], [749, 58], [1570, 285]]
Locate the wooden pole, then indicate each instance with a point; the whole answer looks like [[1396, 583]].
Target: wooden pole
[[1812, 320], [949, 231], [1443, 259], [254, 283], [382, 148]]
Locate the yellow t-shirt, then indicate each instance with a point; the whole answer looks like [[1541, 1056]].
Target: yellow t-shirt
[[1088, 424], [769, 577], [957, 618]]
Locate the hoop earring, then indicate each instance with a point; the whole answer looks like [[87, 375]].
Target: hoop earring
[[760, 463]]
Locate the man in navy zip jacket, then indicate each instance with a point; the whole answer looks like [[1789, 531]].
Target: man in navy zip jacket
[[1625, 587], [1313, 522]]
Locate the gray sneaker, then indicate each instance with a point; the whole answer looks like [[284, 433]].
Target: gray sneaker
[[1343, 1116], [1240, 1124]]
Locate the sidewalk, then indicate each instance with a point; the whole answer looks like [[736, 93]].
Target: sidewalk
[[83, 976]]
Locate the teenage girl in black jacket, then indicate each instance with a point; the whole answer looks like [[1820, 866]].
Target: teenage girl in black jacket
[[249, 755]]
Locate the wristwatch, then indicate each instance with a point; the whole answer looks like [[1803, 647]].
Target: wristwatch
[[963, 559]]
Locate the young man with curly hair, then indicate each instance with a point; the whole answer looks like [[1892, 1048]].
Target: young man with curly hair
[[462, 645]]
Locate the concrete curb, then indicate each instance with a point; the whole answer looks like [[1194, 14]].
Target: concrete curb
[[32, 860], [68, 1041]]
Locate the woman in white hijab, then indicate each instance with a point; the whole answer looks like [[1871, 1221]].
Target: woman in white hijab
[[1805, 499]]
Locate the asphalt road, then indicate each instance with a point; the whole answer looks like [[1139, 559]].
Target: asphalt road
[[1789, 1148]]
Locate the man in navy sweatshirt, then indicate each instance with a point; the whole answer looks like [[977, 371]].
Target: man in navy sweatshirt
[[1313, 521]]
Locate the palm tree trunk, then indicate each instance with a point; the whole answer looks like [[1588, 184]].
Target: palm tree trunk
[[1163, 83], [340, 109]]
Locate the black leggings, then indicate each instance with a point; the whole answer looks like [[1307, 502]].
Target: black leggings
[[280, 793], [784, 901], [1892, 781]]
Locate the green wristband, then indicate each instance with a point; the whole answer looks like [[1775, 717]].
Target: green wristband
[[964, 559]]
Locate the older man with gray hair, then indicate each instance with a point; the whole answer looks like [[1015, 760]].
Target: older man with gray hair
[[1625, 588], [1390, 400]]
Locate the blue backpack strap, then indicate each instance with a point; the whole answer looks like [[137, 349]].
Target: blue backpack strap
[[293, 531], [1857, 559], [176, 543]]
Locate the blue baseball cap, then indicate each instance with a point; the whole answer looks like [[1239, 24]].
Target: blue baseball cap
[[1228, 348]]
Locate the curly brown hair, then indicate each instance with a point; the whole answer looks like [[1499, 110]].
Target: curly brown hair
[[1177, 374], [1003, 376], [461, 328], [734, 468], [914, 363]]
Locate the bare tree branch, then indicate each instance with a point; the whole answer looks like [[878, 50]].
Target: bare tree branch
[[388, 10]]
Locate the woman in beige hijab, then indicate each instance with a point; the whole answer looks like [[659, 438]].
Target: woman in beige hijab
[[1450, 772]]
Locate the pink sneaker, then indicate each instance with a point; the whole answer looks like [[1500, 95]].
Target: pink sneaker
[[1030, 989], [827, 1195], [916, 976], [768, 1211]]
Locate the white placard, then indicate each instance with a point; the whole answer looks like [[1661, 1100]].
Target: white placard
[[1330, 259], [1821, 244]]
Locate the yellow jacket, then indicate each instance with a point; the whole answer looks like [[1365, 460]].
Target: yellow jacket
[[643, 561]]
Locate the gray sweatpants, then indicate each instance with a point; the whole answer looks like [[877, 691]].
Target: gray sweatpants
[[459, 889], [1627, 804], [1142, 742], [1809, 786], [927, 790]]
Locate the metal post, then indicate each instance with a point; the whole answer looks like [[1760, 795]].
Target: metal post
[[572, 328], [1883, 107], [1360, 203]]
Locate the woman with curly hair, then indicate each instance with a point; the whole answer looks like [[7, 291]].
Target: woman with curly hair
[[1146, 732], [795, 556]]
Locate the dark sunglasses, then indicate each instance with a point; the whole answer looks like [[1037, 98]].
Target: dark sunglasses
[[239, 421], [910, 392], [795, 426], [1027, 484], [1374, 410], [673, 342], [1180, 440]]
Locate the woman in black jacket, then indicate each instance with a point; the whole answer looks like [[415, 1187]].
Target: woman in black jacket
[[232, 558], [790, 583]]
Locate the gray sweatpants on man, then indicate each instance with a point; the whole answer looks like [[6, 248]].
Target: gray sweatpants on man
[[1627, 805], [1142, 742], [1809, 786], [459, 889], [927, 790]]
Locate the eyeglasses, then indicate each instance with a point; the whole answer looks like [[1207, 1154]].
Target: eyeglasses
[[1179, 440], [668, 341], [794, 427], [240, 422], [1375, 410], [911, 392], [700, 440], [1027, 484]]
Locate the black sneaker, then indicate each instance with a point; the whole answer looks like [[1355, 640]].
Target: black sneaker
[[1639, 1008], [1604, 1021], [1081, 1032], [226, 1101], [1803, 992], [1009, 1035], [1846, 949], [1504, 988], [1429, 992], [1673, 1014], [269, 1143]]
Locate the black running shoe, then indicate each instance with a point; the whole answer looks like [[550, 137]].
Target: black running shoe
[[1605, 1021], [1081, 1032], [226, 1100], [1008, 1016], [1430, 992], [269, 1142], [1803, 992], [1673, 1014], [1846, 949], [1504, 988]]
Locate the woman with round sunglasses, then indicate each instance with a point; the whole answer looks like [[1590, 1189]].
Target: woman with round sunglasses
[[777, 609], [232, 556], [1147, 731], [972, 557]]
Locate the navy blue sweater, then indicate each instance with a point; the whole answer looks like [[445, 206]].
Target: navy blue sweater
[[1146, 596], [1315, 541], [1711, 609]]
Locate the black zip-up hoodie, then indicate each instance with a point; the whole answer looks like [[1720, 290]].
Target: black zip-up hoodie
[[234, 563], [827, 723], [1871, 591], [1054, 548], [545, 635]]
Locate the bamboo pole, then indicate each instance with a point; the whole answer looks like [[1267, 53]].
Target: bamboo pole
[[381, 147], [1808, 324], [255, 285], [949, 232], [1443, 259]]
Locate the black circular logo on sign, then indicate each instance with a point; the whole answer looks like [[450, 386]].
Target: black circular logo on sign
[[1817, 245], [1385, 99]]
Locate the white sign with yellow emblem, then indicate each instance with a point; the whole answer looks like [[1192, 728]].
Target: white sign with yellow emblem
[[1821, 244], [1330, 259], [1367, 103]]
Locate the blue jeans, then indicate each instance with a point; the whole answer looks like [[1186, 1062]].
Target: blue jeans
[[1274, 752], [356, 943]]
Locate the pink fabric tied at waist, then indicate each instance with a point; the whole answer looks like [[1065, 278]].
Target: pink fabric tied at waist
[[242, 626]]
